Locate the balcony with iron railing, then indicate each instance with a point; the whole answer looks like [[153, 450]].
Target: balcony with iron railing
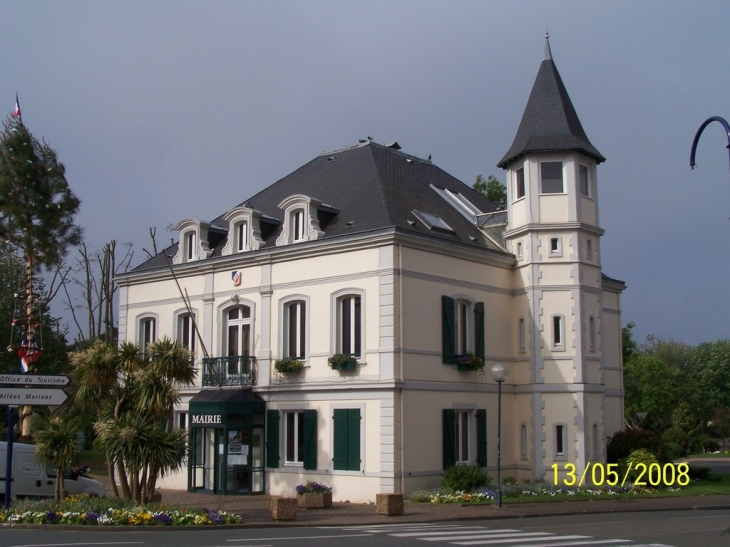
[[237, 370]]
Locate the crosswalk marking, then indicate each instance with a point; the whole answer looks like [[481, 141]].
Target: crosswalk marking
[[455, 534]]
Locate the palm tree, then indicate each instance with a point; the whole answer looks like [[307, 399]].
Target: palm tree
[[56, 444], [97, 370]]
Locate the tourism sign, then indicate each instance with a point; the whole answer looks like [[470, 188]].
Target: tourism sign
[[31, 396], [35, 379]]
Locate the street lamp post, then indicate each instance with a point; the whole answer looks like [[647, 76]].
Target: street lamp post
[[692, 163], [498, 375]]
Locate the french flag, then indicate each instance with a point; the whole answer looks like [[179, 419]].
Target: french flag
[[16, 112]]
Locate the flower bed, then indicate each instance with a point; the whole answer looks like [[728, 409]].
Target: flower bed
[[518, 491], [82, 510]]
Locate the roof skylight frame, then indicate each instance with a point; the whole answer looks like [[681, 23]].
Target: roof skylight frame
[[433, 222], [459, 202]]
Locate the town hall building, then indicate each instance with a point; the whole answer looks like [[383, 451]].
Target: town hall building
[[344, 320]]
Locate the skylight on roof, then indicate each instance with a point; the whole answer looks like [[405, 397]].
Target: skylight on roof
[[459, 202], [432, 221]]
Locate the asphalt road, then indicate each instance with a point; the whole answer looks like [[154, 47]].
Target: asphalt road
[[699, 528]]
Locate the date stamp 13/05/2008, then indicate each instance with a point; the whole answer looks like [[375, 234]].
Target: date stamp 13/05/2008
[[598, 474]]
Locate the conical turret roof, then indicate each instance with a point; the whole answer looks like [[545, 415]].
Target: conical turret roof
[[549, 123]]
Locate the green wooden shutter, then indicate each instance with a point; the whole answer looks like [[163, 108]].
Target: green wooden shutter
[[340, 439], [310, 439], [482, 437], [346, 439], [353, 439], [449, 437], [479, 329], [272, 438], [448, 330]]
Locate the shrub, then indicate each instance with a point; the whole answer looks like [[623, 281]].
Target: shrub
[[465, 478], [704, 443], [623, 443], [671, 452], [640, 456]]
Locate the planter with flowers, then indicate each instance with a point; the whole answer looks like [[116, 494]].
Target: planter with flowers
[[288, 365], [342, 361], [313, 495], [469, 362]]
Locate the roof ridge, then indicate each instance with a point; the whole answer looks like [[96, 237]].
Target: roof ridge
[[371, 142]]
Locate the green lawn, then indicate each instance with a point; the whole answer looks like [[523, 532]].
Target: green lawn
[[724, 453]]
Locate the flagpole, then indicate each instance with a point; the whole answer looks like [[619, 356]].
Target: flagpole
[[17, 113]]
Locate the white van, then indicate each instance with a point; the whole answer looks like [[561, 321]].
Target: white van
[[32, 479]]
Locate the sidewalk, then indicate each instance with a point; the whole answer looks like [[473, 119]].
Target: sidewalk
[[255, 509]]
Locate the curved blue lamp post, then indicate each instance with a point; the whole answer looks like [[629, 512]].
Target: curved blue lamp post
[[692, 163]]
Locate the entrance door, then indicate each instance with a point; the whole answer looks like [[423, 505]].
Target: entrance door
[[204, 457]]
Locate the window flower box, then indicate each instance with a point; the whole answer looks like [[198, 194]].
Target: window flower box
[[288, 365], [341, 361], [469, 362]]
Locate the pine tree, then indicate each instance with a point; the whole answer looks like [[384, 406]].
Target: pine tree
[[37, 210]]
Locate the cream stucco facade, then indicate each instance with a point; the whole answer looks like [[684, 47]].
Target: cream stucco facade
[[289, 274]]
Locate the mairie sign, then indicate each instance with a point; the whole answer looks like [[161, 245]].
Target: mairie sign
[[31, 396], [202, 420], [35, 379]]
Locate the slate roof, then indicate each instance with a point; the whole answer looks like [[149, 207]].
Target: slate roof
[[367, 187], [549, 123]]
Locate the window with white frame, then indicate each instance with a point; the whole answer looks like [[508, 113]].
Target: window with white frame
[[464, 436], [238, 339], [298, 229], [519, 250], [181, 420], [147, 333], [556, 247], [242, 236], [558, 332], [589, 248], [583, 180], [186, 331], [462, 426], [463, 327], [349, 325], [561, 440], [520, 183], [596, 445], [295, 329], [190, 243], [551, 177], [294, 437]]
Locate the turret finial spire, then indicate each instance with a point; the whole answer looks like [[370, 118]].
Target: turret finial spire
[[548, 53]]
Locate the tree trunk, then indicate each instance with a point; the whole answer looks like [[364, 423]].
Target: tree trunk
[[112, 480], [59, 484], [123, 480]]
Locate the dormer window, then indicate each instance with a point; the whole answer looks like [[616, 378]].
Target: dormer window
[[193, 241], [244, 232], [297, 225], [190, 244], [301, 220], [242, 236]]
